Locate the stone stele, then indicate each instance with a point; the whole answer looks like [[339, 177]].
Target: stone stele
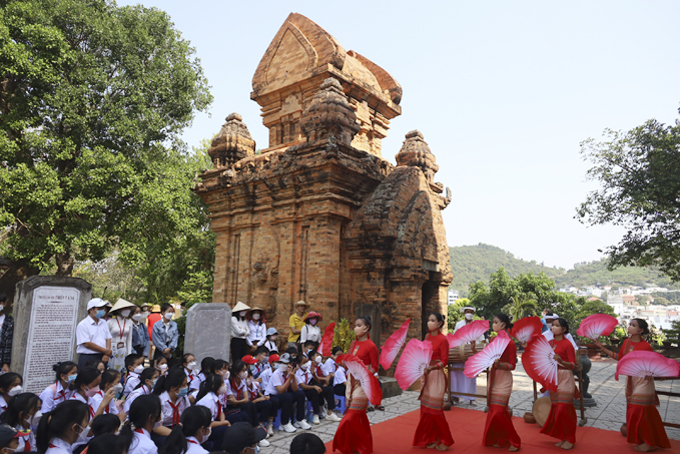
[[208, 331], [47, 310]]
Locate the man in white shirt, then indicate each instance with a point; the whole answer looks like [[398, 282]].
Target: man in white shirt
[[93, 336], [459, 382]]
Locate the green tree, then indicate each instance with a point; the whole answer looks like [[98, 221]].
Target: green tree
[[93, 98], [454, 314], [520, 308], [639, 174]]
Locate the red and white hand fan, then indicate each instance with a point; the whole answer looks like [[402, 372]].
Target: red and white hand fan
[[526, 328], [643, 364], [411, 366], [468, 333], [369, 383], [393, 344], [327, 340], [596, 325], [539, 363], [489, 354]]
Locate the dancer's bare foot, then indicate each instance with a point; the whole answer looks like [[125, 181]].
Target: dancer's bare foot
[[431, 445], [567, 445], [644, 447], [442, 447], [495, 445], [513, 449], [559, 445]]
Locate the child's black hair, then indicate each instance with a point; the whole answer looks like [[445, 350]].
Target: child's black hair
[[212, 383], [237, 367], [192, 420], [131, 359], [106, 444], [337, 350], [105, 424], [109, 376], [55, 423], [174, 379], [7, 379], [140, 410], [206, 365], [147, 374], [218, 365], [85, 377], [21, 403], [261, 349], [63, 368], [307, 443]]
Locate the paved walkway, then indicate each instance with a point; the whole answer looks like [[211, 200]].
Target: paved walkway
[[609, 413]]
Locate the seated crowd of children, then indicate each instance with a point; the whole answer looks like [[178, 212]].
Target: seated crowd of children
[[173, 410]]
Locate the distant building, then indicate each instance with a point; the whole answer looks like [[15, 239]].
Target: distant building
[[452, 297]]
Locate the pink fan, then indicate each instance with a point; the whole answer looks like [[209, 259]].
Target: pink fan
[[539, 363], [485, 359], [596, 325], [393, 344], [525, 328], [468, 333], [643, 364], [327, 340], [411, 366], [369, 383]]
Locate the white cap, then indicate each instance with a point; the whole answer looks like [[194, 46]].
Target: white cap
[[95, 302], [552, 317], [463, 309]]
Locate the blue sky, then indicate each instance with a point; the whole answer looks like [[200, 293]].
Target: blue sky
[[503, 91]]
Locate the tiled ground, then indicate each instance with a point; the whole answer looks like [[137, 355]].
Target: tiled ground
[[609, 413]]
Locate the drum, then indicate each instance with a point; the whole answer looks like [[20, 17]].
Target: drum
[[461, 353], [541, 410]]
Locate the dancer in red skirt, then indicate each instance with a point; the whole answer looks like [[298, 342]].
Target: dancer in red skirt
[[354, 432], [499, 431], [643, 422], [561, 422], [433, 430]]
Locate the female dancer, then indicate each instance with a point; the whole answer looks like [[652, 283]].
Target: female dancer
[[561, 422], [499, 430], [354, 432], [643, 423], [433, 430]]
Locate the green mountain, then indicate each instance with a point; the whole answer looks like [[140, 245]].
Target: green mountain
[[470, 264]]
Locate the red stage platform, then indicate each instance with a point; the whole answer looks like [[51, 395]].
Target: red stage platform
[[467, 426]]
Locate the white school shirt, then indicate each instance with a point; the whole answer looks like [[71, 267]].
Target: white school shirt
[[50, 398], [257, 333], [131, 383], [330, 366], [194, 447], [339, 378], [167, 410], [277, 379], [90, 331], [265, 377], [212, 402], [310, 333], [3, 405], [28, 438], [242, 388], [304, 377], [273, 348], [192, 380], [141, 391], [239, 328], [59, 446], [83, 440], [550, 336], [97, 400], [141, 443], [201, 378]]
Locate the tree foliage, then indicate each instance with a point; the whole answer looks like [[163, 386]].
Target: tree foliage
[[93, 100], [639, 174]]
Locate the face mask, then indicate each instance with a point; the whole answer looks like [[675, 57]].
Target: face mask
[[2, 307], [243, 375], [249, 381], [169, 315], [256, 316], [92, 392], [156, 425], [469, 316], [100, 314], [242, 313], [226, 375], [162, 367], [145, 314], [318, 360], [312, 322], [35, 419], [117, 388], [139, 369], [153, 383], [191, 365], [71, 378], [305, 366], [222, 390], [204, 438], [183, 392], [14, 391], [82, 435], [272, 338], [137, 317], [125, 313], [283, 368]]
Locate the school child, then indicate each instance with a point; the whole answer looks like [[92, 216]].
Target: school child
[[110, 380], [9, 438], [209, 396], [237, 392], [172, 390], [10, 386], [266, 375], [311, 332], [307, 443], [59, 391], [145, 413], [147, 382], [60, 428], [161, 365], [100, 366], [257, 328], [105, 424], [262, 403], [104, 440], [314, 392], [194, 431], [134, 364], [270, 343], [206, 365], [86, 386], [23, 414], [283, 389], [189, 368], [221, 368]]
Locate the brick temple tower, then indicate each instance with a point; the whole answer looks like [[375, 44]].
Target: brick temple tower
[[319, 215]]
